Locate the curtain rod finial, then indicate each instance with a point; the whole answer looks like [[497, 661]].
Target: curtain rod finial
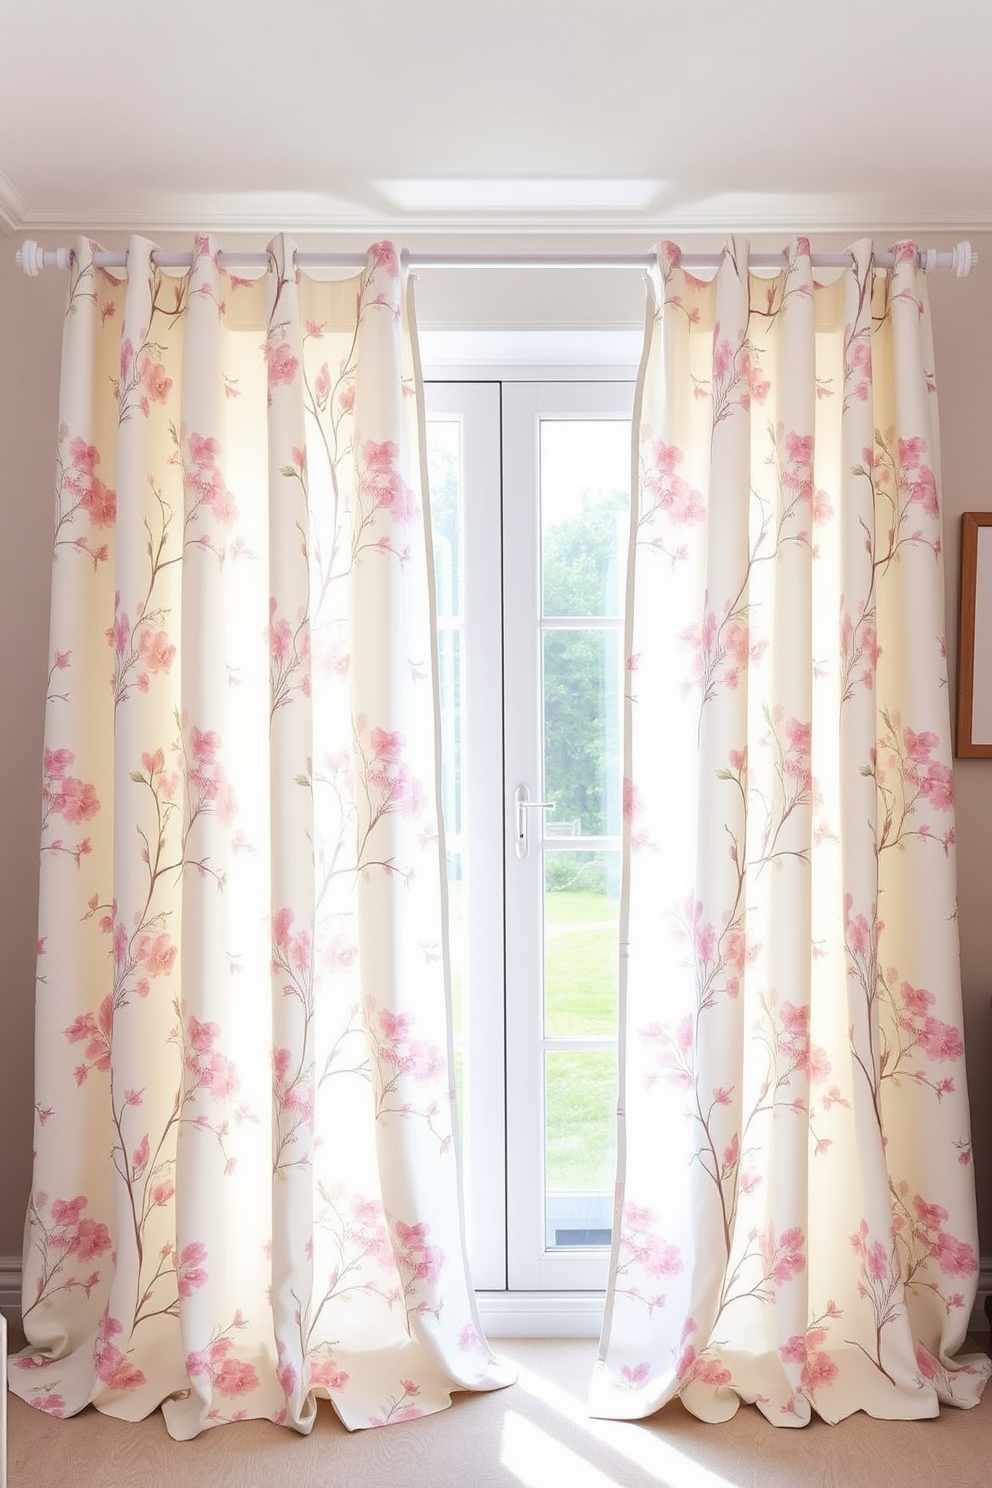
[[31, 258], [964, 258]]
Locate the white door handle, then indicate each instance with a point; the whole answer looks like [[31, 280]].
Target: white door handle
[[523, 804]]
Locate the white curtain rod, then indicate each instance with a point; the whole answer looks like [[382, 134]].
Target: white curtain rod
[[32, 258]]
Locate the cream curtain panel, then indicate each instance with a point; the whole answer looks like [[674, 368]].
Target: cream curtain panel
[[245, 1191], [796, 1218]]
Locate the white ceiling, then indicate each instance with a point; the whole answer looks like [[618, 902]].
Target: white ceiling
[[521, 115]]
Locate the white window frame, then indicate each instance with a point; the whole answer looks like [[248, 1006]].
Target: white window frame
[[552, 1305]]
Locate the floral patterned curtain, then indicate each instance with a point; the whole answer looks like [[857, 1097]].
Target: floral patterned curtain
[[245, 1191], [796, 1220]]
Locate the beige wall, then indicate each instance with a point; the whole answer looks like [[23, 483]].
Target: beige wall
[[30, 332]]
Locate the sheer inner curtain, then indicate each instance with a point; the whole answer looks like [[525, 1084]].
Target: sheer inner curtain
[[245, 1190], [795, 1222]]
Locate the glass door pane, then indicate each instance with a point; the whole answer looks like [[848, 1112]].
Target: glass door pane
[[566, 521]]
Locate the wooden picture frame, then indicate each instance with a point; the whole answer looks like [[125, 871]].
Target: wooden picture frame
[[974, 721]]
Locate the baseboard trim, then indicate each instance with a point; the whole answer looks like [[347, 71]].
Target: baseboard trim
[[10, 1288], [509, 1314], [541, 1314]]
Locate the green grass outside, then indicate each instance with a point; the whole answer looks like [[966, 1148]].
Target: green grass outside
[[580, 965], [580, 1001]]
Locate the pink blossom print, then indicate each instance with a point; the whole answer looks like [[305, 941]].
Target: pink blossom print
[[382, 487]]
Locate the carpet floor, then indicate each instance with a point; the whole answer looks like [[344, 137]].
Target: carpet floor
[[534, 1435]]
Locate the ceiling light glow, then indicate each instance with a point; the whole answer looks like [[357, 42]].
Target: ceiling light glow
[[425, 194]]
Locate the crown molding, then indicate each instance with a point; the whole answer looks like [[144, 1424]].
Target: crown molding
[[13, 207], [269, 213], [301, 213]]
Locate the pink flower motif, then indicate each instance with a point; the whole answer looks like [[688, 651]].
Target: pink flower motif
[[660, 1258], [119, 634], [154, 763], [281, 363], [631, 800], [636, 1375], [156, 650], [760, 386], [322, 385], [819, 1065], [931, 1215], [799, 448], [380, 458], [795, 1020], [636, 1218], [346, 398], [68, 1211], [202, 1035], [916, 999], [190, 1270], [859, 936], [877, 1261], [204, 746], [100, 503], [325, 1372], [937, 785], [156, 953], [282, 922], [67, 796], [384, 256], [783, 1259], [922, 488], [799, 735], [919, 746], [941, 1041], [52, 1404], [469, 1340], [424, 1062], [819, 1370], [954, 1257], [162, 1192], [822, 510], [395, 1026], [235, 1378], [299, 951], [911, 451], [387, 746], [154, 380], [722, 356], [203, 449], [711, 1372], [85, 457], [925, 1362]]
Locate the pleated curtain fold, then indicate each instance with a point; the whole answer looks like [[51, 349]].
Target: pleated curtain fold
[[245, 1190], [796, 1214]]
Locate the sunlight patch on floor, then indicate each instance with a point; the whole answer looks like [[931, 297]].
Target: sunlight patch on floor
[[637, 1443]]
